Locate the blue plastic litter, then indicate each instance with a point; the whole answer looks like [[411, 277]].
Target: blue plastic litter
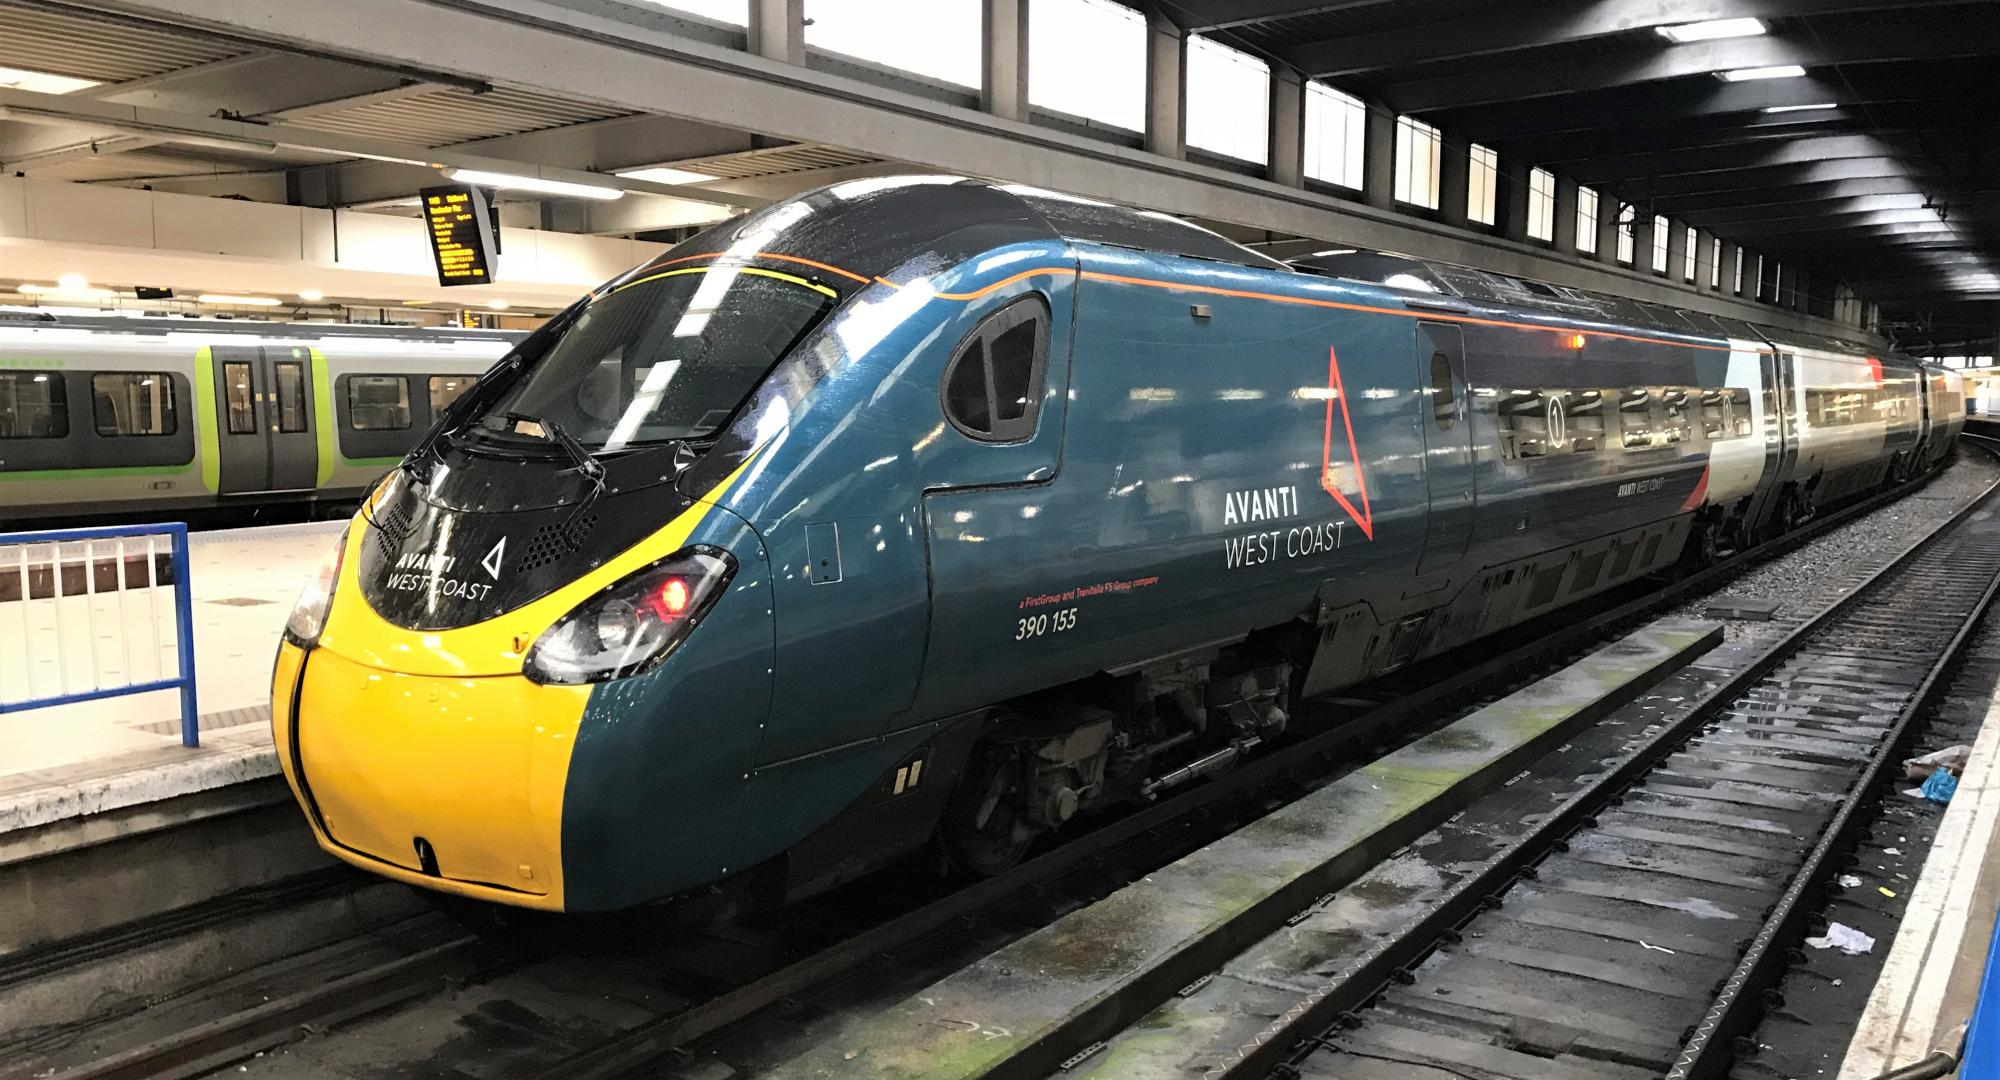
[[1939, 787]]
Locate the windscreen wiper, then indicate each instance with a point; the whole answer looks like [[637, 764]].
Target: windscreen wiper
[[589, 466]]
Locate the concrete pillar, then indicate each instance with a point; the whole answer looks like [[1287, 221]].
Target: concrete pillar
[[1166, 86], [1004, 46], [1677, 250], [1454, 178], [1378, 167], [1565, 222], [318, 185], [1801, 291], [1288, 126], [777, 30], [1704, 260], [1511, 197], [1607, 228]]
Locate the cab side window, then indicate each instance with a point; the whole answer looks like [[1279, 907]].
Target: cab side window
[[993, 386]]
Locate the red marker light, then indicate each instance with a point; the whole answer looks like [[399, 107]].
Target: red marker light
[[671, 599]]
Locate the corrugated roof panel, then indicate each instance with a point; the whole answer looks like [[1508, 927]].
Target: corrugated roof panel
[[455, 115], [102, 48], [775, 161]]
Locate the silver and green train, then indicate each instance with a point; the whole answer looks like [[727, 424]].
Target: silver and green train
[[110, 416]]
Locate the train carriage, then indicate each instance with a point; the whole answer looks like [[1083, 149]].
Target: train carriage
[[170, 416], [930, 510]]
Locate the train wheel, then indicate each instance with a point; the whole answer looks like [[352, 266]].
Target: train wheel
[[986, 830]]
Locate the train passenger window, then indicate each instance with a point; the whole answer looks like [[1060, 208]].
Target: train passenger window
[[291, 396], [1546, 423], [445, 389], [1715, 413], [1635, 418], [240, 399], [993, 388], [378, 402], [133, 403], [1444, 396], [1524, 428], [1674, 414], [1583, 415], [33, 405]]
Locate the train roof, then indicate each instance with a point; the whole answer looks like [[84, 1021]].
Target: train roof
[[35, 318], [1464, 282], [862, 229]]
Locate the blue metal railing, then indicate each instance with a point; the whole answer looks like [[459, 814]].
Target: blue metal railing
[[14, 556], [1982, 1038]]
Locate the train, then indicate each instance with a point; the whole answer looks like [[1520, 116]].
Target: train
[[151, 417], [926, 514]]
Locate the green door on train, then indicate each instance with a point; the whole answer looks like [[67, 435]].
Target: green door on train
[[264, 419]]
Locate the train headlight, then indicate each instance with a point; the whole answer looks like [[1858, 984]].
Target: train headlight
[[634, 623], [309, 614]]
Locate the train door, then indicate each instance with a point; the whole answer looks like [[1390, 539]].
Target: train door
[[1448, 466], [263, 420]]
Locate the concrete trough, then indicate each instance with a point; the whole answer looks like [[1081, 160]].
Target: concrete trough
[[1026, 1008]]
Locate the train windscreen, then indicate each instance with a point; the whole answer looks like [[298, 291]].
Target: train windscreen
[[663, 358]]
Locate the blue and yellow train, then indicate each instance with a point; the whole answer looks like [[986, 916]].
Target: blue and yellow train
[[937, 510]]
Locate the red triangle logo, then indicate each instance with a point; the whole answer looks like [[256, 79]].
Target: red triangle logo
[[1336, 394]]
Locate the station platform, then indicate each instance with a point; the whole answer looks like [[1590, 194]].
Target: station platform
[[74, 760]]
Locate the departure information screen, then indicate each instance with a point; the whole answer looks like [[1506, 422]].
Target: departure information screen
[[461, 232]]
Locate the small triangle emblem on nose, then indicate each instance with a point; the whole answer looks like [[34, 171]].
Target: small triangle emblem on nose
[[492, 560]]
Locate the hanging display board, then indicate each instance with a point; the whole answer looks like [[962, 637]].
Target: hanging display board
[[461, 230]]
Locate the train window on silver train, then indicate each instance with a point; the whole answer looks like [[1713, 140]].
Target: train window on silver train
[[291, 396], [378, 402], [241, 399], [133, 403], [993, 388], [445, 389], [33, 405]]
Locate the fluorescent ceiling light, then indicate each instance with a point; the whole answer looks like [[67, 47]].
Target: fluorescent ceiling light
[[241, 301], [534, 183], [664, 174], [41, 82], [1781, 71], [1801, 108], [73, 281], [79, 293], [1711, 30], [311, 296], [498, 305]]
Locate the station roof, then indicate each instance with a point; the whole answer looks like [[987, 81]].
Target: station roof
[[1895, 188], [1890, 190]]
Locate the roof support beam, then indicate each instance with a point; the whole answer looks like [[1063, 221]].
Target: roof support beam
[[1914, 39], [1806, 151], [1576, 20]]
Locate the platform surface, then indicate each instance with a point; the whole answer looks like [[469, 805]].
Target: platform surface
[[1061, 975], [69, 760]]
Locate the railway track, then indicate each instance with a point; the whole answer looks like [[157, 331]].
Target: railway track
[[1360, 722], [1640, 927]]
